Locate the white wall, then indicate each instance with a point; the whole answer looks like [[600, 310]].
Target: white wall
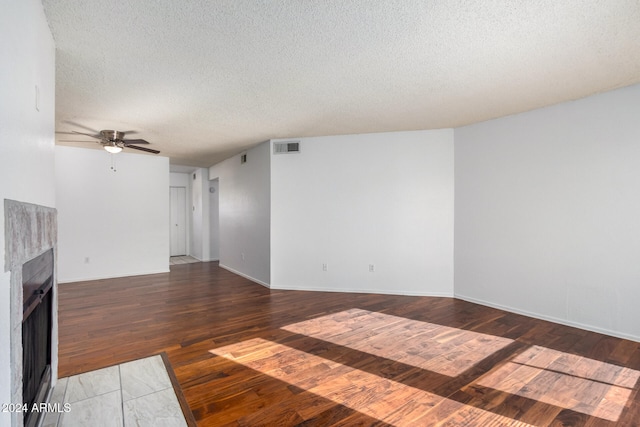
[[200, 215], [118, 220], [244, 200], [548, 213], [177, 179], [26, 136], [350, 201]]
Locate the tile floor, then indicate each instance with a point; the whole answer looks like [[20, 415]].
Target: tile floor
[[137, 393], [182, 260]]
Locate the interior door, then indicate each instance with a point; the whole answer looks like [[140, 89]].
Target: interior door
[[178, 221]]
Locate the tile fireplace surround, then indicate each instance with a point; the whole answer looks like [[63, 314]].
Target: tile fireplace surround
[[30, 230]]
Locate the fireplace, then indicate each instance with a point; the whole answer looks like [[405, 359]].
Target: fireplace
[[30, 253], [37, 304]]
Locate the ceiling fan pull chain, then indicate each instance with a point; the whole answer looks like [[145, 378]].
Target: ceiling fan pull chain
[[113, 163]]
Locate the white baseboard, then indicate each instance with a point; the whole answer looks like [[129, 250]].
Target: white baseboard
[[366, 291], [565, 322], [86, 279], [246, 276]]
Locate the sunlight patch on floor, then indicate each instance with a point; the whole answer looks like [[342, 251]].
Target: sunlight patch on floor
[[583, 385], [369, 394], [548, 376], [441, 349]]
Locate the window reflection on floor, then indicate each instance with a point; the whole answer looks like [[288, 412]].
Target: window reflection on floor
[[440, 349], [584, 385], [369, 394], [550, 377]]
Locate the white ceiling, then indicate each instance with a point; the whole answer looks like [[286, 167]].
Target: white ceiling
[[203, 80]]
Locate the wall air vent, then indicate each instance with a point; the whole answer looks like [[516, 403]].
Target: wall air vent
[[286, 147]]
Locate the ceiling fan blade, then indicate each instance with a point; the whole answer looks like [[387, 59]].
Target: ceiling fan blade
[[86, 134], [78, 125], [68, 140], [135, 141], [65, 133], [148, 150]]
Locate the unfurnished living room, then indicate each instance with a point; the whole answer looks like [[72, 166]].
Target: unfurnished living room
[[320, 213]]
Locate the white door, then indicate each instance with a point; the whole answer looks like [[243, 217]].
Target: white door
[[178, 221]]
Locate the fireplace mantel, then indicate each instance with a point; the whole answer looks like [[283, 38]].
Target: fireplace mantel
[[30, 230]]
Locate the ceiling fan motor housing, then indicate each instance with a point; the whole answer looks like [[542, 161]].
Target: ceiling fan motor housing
[[112, 135]]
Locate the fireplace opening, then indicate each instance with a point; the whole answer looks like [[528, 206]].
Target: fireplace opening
[[37, 285]]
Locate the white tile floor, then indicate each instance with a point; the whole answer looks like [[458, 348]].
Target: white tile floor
[[137, 393], [184, 259]]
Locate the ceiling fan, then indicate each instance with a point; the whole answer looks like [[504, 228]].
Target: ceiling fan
[[113, 141]]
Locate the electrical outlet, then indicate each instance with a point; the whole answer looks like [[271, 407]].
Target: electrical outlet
[[87, 260], [372, 268], [324, 267]]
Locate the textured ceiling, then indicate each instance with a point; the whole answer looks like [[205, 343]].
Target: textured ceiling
[[203, 80]]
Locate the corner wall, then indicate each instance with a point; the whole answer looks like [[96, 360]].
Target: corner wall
[[111, 224], [26, 138], [347, 202], [547, 213], [244, 213]]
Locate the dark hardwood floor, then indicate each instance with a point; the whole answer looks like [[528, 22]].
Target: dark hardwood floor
[[245, 355]]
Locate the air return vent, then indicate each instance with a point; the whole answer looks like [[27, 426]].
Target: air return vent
[[286, 147]]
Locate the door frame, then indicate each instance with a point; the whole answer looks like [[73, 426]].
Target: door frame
[[183, 210]]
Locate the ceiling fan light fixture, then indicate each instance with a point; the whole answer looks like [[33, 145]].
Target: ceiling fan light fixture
[[113, 149]]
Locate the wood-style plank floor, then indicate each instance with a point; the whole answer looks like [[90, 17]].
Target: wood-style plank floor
[[245, 355]]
